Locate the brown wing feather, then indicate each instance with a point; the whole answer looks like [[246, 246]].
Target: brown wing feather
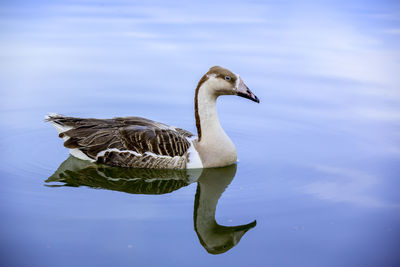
[[140, 135]]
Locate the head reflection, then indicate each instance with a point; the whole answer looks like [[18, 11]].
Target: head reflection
[[211, 183]]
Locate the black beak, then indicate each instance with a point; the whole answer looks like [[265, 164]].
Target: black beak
[[249, 95], [244, 91]]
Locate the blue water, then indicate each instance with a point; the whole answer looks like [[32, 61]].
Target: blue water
[[318, 157]]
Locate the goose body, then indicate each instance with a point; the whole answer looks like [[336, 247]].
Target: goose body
[[143, 143]]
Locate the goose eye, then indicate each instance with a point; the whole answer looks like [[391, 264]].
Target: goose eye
[[227, 78]]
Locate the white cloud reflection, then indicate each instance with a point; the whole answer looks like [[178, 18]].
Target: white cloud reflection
[[346, 185]]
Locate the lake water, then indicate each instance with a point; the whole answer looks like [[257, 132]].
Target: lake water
[[319, 157]]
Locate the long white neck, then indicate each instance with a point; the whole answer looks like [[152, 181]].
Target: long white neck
[[214, 146]]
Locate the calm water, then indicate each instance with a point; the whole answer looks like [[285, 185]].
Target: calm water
[[318, 157]]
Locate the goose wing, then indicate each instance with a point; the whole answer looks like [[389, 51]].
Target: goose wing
[[128, 141]]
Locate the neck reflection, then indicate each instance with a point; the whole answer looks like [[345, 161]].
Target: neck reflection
[[211, 183], [215, 238]]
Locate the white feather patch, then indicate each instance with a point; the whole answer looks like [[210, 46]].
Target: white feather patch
[[102, 153], [237, 81], [194, 161], [80, 155]]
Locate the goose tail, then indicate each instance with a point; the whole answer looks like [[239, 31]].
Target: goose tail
[[56, 120]]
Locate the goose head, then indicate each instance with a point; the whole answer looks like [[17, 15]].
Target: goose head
[[221, 238], [221, 81]]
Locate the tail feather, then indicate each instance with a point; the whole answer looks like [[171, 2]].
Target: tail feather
[[56, 120], [52, 116]]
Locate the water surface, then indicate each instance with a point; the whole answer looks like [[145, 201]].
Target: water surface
[[318, 157]]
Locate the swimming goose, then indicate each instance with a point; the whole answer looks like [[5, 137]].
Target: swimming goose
[[142, 143]]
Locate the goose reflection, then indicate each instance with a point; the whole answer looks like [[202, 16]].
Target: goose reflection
[[211, 183]]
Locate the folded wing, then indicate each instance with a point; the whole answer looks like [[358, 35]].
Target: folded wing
[[127, 142]]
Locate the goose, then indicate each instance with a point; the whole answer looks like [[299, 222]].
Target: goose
[[142, 143]]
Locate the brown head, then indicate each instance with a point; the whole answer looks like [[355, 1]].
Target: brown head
[[224, 82], [221, 81]]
